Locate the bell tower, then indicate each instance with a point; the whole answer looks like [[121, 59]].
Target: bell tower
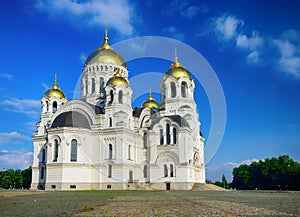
[[118, 108], [99, 67], [177, 89], [52, 100]]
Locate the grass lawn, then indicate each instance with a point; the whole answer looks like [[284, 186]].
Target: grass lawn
[[149, 203]]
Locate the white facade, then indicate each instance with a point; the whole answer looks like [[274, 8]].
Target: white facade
[[101, 142]]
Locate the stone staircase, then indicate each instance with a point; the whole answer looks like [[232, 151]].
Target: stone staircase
[[206, 187]]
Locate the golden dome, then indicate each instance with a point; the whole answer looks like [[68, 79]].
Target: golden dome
[[177, 70], [117, 80], [105, 54], [150, 102], [55, 91]]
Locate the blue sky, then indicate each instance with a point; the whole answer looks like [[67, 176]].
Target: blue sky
[[253, 47]]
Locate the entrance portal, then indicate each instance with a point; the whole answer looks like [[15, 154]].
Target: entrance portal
[[130, 176], [168, 186]]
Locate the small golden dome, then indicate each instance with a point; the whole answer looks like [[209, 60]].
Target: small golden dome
[[150, 102], [55, 91], [105, 54], [117, 80], [177, 70]]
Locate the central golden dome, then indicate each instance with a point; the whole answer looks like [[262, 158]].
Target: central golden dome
[[177, 71], [105, 54], [117, 80], [55, 91], [150, 102]]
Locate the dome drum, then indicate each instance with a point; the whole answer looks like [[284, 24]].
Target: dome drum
[[105, 68]]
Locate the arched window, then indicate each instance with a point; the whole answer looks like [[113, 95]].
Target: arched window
[[145, 171], [129, 152], [171, 170], [173, 90], [86, 86], [196, 159], [101, 84], [130, 176], [93, 85], [42, 172], [110, 122], [161, 136], [74, 150], [110, 151], [174, 135], [54, 107], [184, 89], [145, 140], [120, 96], [165, 170], [109, 172], [47, 106], [168, 134], [43, 155], [111, 93], [55, 156]]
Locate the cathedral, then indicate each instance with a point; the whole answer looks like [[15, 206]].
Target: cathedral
[[100, 142]]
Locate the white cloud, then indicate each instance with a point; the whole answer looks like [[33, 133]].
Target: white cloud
[[113, 13], [30, 126], [29, 107], [285, 47], [215, 173], [190, 12], [253, 57], [15, 159], [227, 26], [82, 58], [177, 5], [251, 43], [173, 32], [12, 138], [6, 76], [292, 35], [289, 60], [291, 65]]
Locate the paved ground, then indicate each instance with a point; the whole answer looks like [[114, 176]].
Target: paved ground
[[178, 204], [149, 203]]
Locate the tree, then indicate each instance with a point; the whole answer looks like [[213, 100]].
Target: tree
[[16, 178], [280, 173], [224, 182], [6, 182], [241, 177], [27, 175], [218, 183]]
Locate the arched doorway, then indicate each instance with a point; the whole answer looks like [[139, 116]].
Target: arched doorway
[[168, 186]]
